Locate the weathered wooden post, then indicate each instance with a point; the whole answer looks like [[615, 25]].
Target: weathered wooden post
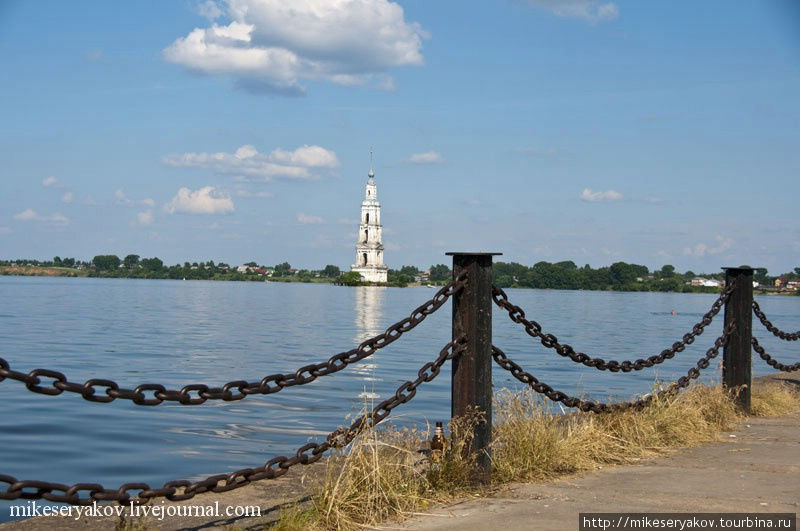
[[472, 371], [736, 362]]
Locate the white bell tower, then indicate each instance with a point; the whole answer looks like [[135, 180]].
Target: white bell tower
[[369, 246]]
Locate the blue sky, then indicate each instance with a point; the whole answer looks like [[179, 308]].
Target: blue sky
[[593, 131]]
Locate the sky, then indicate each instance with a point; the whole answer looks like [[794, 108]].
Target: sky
[[587, 130]]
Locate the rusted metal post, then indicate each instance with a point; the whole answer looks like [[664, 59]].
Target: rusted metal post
[[471, 386], [736, 362]]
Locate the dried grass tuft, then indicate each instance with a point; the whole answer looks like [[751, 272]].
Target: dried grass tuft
[[774, 398]]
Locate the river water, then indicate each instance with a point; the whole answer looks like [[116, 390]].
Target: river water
[[181, 332]]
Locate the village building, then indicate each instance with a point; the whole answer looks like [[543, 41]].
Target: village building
[[706, 282], [369, 245]]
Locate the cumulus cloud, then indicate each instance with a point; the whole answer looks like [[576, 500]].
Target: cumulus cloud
[[427, 157], [274, 45], [145, 218], [248, 161], [49, 182], [307, 219], [609, 195], [701, 249], [589, 10], [206, 200], [30, 214], [26, 215], [209, 9], [68, 197]]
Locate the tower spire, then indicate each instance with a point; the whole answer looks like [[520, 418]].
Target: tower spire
[[371, 173]]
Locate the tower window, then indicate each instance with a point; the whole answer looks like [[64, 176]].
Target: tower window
[[366, 235], [367, 217], [364, 257]]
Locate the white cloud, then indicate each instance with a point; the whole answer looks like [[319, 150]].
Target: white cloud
[[49, 181], [5, 230], [145, 218], [30, 214], [274, 45], [590, 10], [206, 200], [209, 9], [123, 199], [609, 195], [248, 161], [427, 157], [68, 197], [701, 249], [306, 219], [27, 215], [241, 191]]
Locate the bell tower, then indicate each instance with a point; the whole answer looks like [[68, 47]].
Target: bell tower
[[369, 245]]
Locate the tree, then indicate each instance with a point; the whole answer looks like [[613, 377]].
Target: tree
[[131, 261], [760, 275], [57, 261], [152, 264], [353, 278], [331, 271], [106, 262], [667, 271], [797, 271], [68, 262], [440, 272], [282, 270], [409, 271]]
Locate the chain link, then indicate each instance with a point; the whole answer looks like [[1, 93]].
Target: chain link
[[786, 336], [137, 493], [599, 407], [534, 330], [770, 360], [104, 390]]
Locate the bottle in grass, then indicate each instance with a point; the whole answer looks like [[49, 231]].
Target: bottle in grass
[[437, 443]]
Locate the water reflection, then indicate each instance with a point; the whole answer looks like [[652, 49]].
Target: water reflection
[[369, 302]]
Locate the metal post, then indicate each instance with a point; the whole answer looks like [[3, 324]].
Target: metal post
[[472, 371], [736, 362]]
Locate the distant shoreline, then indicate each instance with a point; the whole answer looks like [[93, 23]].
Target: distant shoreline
[[66, 272]]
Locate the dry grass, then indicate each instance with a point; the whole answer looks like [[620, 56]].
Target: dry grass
[[383, 475], [774, 399], [530, 443]]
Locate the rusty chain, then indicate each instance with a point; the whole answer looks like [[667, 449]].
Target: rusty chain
[[770, 360], [534, 330], [786, 336], [179, 490], [106, 390], [599, 407]]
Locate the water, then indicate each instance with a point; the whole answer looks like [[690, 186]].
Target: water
[[176, 333]]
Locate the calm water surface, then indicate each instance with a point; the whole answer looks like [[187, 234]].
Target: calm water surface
[[176, 333]]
